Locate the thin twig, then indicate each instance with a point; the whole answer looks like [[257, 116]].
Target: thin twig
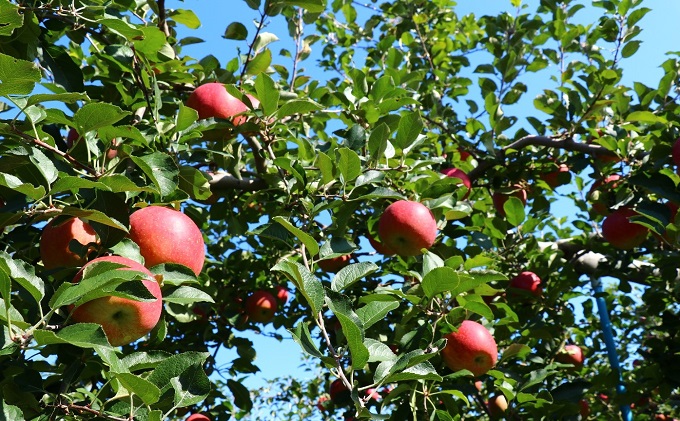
[[427, 53], [162, 18], [66, 409], [298, 40], [256, 148], [260, 25]]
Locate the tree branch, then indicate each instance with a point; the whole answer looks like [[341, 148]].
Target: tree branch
[[162, 18], [69, 408], [258, 150], [260, 25]]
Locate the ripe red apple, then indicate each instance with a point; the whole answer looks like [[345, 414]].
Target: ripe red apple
[[281, 294], [334, 264], [379, 247], [213, 100], [620, 232], [55, 239], [676, 152], [584, 408], [407, 227], [570, 354], [323, 403], [478, 385], [166, 235], [462, 176], [372, 393], [559, 177], [497, 406], [72, 137], [261, 306], [464, 155], [340, 394], [499, 198], [526, 281], [198, 417], [124, 320], [600, 193], [471, 347]]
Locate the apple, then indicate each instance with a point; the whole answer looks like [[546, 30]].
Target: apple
[[407, 227], [55, 239], [499, 198], [379, 246], [558, 177], [372, 393], [497, 406], [464, 155], [72, 137], [213, 100], [261, 306], [600, 193], [112, 152], [334, 264], [322, 403], [166, 235], [478, 385], [570, 354], [620, 232], [340, 394], [124, 320], [584, 408], [198, 417], [471, 347], [462, 176], [526, 281], [676, 152], [281, 294]]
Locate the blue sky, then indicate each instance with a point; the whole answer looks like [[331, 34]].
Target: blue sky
[[277, 359]]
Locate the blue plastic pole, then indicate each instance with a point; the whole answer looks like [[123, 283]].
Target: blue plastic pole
[[610, 343]]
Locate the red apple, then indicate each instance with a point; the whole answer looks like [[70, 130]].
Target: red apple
[[570, 354], [112, 151], [379, 247], [464, 155], [497, 406], [334, 264], [372, 393], [499, 198], [55, 239], [72, 137], [471, 347], [323, 402], [620, 232], [584, 408], [462, 176], [407, 227], [261, 306], [559, 177], [165, 235], [340, 394], [124, 320], [281, 294], [526, 281], [600, 193], [198, 417], [478, 385], [676, 152], [213, 100]]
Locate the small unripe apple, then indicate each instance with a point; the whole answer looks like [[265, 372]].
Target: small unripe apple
[[55, 238], [462, 176], [281, 294], [620, 232], [570, 354], [600, 193], [166, 235], [198, 417], [334, 264], [213, 100], [407, 227], [340, 394], [261, 306], [499, 198], [124, 320], [497, 406], [471, 347], [526, 281]]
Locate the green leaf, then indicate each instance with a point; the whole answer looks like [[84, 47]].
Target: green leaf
[[186, 17], [514, 211], [410, 127], [348, 163], [191, 386], [144, 360], [645, 117], [187, 295], [194, 182], [17, 185], [66, 73], [352, 328], [476, 304], [10, 412], [297, 106], [67, 97], [438, 280], [309, 285], [241, 395], [350, 274], [267, 93], [303, 337], [421, 371], [74, 183], [312, 6], [305, 238], [147, 391], [377, 141], [94, 216], [515, 350], [82, 335], [10, 19], [122, 28], [174, 366], [336, 247], [174, 274], [375, 311], [118, 183], [161, 170], [260, 63], [325, 164], [44, 165], [186, 116], [236, 31], [378, 351], [17, 77], [24, 274], [630, 48], [95, 115]]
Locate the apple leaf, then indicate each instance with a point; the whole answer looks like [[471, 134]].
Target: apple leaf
[[14, 183], [82, 335], [336, 247], [351, 327], [186, 117], [440, 280], [458, 394], [375, 311], [236, 31], [378, 351], [187, 295], [147, 391], [23, 274], [94, 216], [174, 274], [186, 17], [348, 163], [476, 304], [312, 6], [350, 274], [10, 412], [161, 170], [309, 285], [297, 106], [241, 395], [303, 337], [95, 115], [267, 93], [191, 386], [18, 76], [514, 211], [174, 366], [144, 360], [410, 127], [194, 183], [10, 19], [260, 63], [70, 182], [305, 238]]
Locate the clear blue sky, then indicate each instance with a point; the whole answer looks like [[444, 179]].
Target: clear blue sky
[[659, 36]]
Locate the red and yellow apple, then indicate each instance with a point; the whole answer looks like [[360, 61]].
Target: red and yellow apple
[[407, 227], [166, 235], [261, 306], [56, 237], [124, 320], [620, 232], [323, 404], [570, 354], [213, 100], [281, 294], [526, 281], [471, 347], [497, 406], [334, 264], [462, 176]]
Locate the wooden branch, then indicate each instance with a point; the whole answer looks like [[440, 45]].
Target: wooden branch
[[222, 181], [256, 148], [162, 18], [73, 408]]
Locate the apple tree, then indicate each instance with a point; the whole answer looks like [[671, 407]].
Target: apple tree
[[400, 168]]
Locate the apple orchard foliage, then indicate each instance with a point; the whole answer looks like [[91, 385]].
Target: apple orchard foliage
[[408, 88]]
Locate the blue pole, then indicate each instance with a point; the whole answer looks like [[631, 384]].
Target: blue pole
[[608, 333]]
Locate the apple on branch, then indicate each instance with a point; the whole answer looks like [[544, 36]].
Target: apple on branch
[[497, 405], [261, 306], [55, 242], [340, 394], [462, 176], [471, 347], [527, 282], [407, 227], [500, 197], [334, 264], [198, 417], [124, 320], [213, 100], [570, 354], [621, 232]]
